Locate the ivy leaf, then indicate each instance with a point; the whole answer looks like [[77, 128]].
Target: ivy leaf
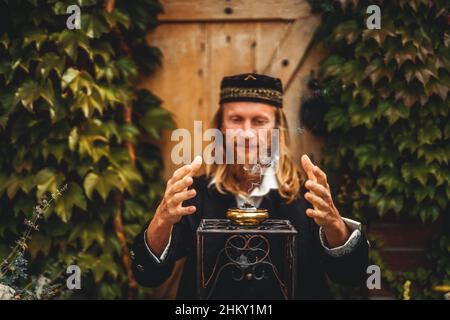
[[51, 61], [336, 118], [422, 192], [108, 71], [379, 35], [418, 171], [93, 25], [101, 49], [332, 65], [54, 148], [155, 120], [127, 67], [367, 155], [102, 183], [376, 70], [117, 16], [47, 92], [128, 175], [39, 243], [348, 30], [73, 139], [88, 233], [105, 264], [438, 88], [390, 181], [73, 196], [389, 202], [110, 290], [93, 144], [132, 209], [4, 40], [14, 182], [70, 40], [77, 81], [47, 180], [396, 111], [129, 132], [447, 131], [429, 213], [132, 230], [429, 134], [28, 93], [88, 103], [87, 3], [38, 36]]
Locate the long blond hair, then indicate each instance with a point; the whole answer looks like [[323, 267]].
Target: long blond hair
[[288, 173]]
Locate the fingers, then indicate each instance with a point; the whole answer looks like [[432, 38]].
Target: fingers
[[317, 201], [174, 204], [179, 186], [319, 190], [182, 177], [308, 167], [321, 176], [179, 174], [178, 198], [181, 211], [196, 164], [188, 169], [315, 214]]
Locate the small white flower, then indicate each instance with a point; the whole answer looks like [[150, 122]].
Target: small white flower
[[40, 284], [6, 292]]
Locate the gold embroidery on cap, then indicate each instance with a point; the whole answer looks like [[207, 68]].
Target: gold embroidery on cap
[[268, 94], [250, 77]]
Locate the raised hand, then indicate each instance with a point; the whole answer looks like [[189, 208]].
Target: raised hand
[[324, 212], [171, 209]]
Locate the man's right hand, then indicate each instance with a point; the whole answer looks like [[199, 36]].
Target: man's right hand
[[171, 210]]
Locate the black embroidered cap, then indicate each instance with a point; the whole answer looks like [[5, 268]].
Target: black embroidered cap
[[252, 87]]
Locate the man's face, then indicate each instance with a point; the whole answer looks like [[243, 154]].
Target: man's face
[[248, 118]]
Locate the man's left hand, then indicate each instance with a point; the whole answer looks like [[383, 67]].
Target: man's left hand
[[325, 213]]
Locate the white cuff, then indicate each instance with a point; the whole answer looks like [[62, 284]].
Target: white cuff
[[163, 254], [349, 245]]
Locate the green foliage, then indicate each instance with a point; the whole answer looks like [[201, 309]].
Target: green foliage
[[388, 123], [62, 99]]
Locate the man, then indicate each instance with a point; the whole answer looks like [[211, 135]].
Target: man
[[327, 243]]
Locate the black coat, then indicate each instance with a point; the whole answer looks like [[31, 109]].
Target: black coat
[[313, 263]]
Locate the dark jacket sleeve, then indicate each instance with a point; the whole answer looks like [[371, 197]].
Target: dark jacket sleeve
[[151, 273], [348, 268]]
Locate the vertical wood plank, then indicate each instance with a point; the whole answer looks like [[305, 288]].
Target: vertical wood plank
[[289, 54], [268, 38], [303, 143], [231, 52], [179, 80]]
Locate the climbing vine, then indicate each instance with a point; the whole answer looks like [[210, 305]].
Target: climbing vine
[[71, 114], [388, 125]]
